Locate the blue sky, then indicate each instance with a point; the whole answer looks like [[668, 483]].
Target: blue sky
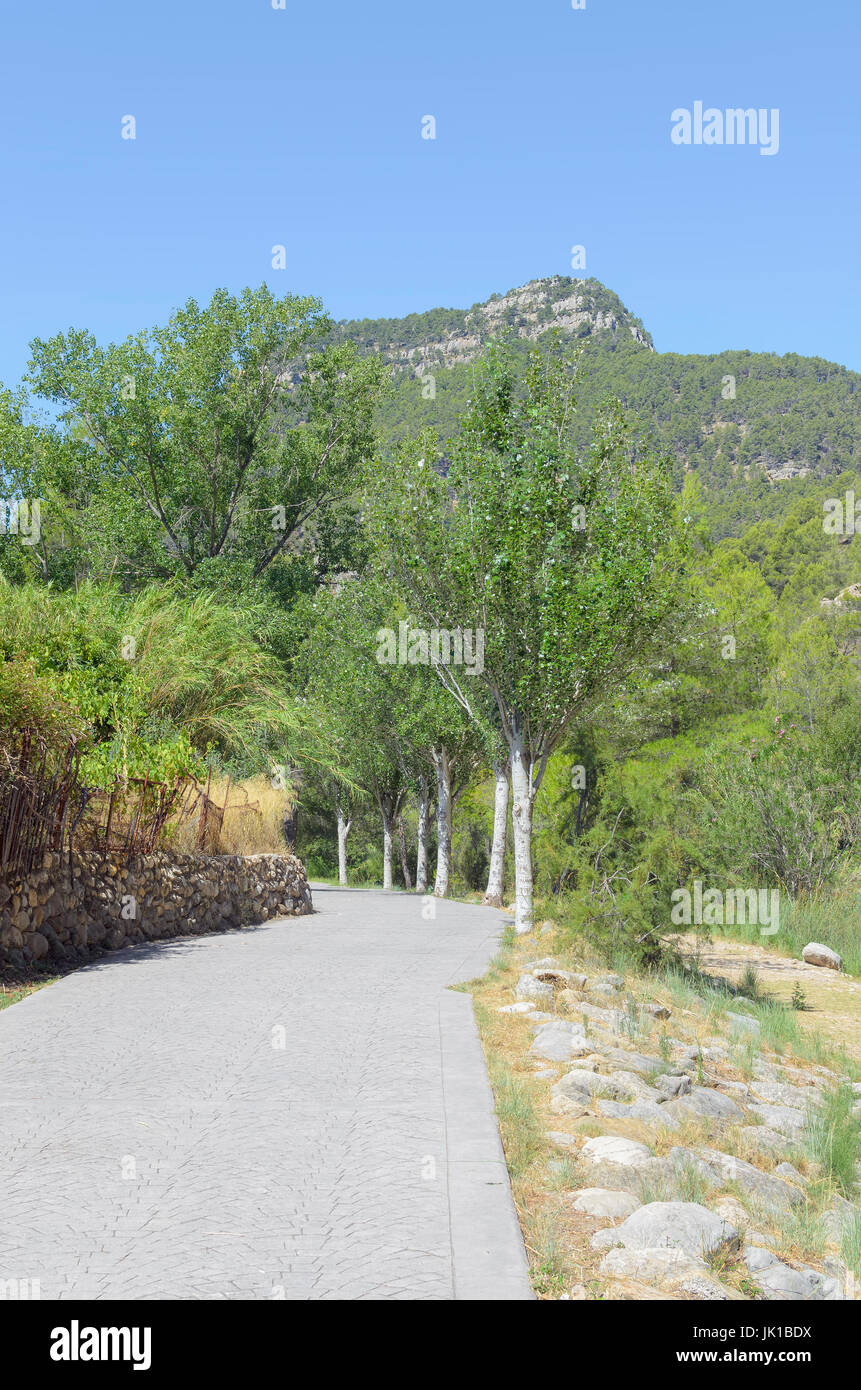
[[302, 126]]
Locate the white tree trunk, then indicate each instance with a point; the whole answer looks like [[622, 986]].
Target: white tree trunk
[[423, 835], [521, 822], [496, 874], [343, 832], [388, 840], [402, 844], [443, 822]]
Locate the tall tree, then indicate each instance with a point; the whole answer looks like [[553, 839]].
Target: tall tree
[[565, 560], [222, 436]]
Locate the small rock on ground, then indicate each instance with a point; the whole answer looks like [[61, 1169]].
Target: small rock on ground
[[704, 1102], [613, 1148], [685, 1226], [605, 1203], [783, 1118], [815, 953]]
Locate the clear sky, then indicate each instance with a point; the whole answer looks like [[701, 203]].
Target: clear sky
[[301, 126]]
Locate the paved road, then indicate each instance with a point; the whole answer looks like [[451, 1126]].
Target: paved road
[[296, 1111]]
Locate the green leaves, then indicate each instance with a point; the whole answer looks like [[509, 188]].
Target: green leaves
[[220, 436], [157, 682], [492, 545]]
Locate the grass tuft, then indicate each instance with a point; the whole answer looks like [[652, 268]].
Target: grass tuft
[[832, 1138]]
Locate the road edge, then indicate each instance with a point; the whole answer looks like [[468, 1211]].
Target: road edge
[[489, 1261]]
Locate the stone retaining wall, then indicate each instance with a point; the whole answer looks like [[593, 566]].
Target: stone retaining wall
[[73, 910]]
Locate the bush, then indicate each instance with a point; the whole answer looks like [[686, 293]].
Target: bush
[[775, 813]]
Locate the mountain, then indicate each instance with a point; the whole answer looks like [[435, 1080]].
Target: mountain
[[757, 427], [452, 337]]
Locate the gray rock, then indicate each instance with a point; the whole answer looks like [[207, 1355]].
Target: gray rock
[[704, 1102], [805, 1077], [732, 1088], [759, 1238], [635, 1061], [772, 1192], [528, 987], [685, 1159], [764, 1140], [784, 1118], [607, 991], [521, 1008], [651, 1266], [815, 953], [655, 1176], [765, 1071], [839, 1220], [545, 1074], [610, 1018], [702, 1288], [646, 1111], [685, 1226], [741, 1023], [729, 1208], [833, 1291], [692, 1053], [555, 1046], [559, 1025], [561, 1140], [779, 1093], [791, 1174], [36, 944], [673, 1085], [779, 1283], [605, 1203], [757, 1258], [572, 1106], [614, 1149], [549, 961], [579, 1085], [630, 1086]]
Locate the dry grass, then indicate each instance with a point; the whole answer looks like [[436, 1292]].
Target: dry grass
[[557, 1240], [543, 1176], [252, 821]]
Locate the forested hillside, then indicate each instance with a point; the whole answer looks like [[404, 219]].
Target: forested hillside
[[745, 422]]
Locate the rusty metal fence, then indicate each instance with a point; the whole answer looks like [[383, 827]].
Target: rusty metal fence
[[131, 817], [38, 794], [45, 806]]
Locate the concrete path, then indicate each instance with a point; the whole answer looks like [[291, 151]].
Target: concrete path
[[296, 1111]]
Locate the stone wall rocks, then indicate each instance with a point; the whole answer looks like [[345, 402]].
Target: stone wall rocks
[[70, 909]]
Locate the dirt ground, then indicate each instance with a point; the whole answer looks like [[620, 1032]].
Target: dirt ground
[[833, 999]]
